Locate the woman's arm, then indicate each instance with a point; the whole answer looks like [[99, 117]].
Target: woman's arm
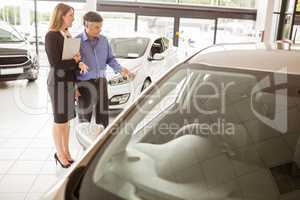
[[54, 55]]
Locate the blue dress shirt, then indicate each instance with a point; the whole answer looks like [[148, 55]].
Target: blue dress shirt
[[96, 54]]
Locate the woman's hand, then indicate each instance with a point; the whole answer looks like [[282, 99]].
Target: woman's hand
[[83, 68], [77, 57]]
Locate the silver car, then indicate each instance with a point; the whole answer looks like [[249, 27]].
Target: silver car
[[224, 124]]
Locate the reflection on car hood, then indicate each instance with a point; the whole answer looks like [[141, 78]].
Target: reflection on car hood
[[130, 64], [14, 48]]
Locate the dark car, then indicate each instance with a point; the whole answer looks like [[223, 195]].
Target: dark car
[[17, 58]]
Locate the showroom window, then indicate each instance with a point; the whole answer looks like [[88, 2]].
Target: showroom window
[[158, 25], [117, 22], [20, 14], [196, 33], [235, 31], [221, 3]]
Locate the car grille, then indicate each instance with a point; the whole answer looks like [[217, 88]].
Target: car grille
[[9, 61]]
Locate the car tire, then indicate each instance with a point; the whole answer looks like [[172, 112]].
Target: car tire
[[33, 77], [30, 80], [146, 83]]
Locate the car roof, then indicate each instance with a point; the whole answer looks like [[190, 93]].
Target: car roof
[[258, 57]]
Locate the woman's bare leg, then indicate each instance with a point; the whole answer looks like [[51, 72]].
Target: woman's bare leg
[[65, 141], [58, 131]]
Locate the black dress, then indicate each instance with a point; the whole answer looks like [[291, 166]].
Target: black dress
[[61, 79]]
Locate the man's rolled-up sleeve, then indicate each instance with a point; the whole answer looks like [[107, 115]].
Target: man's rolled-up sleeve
[[112, 61]]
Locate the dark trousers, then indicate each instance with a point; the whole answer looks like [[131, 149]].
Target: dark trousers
[[93, 97]]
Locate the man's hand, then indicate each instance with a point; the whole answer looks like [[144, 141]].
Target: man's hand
[[83, 68], [126, 73], [77, 94], [77, 57]]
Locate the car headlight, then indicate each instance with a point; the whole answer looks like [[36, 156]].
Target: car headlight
[[120, 80]]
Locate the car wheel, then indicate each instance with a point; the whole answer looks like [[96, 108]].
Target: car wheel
[[146, 83], [32, 79]]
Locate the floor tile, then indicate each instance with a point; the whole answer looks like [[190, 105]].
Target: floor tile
[[12, 196], [16, 183], [34, 196], [13, 143], [2, 141], [10, 154], [26, 167], [4, 166], [49, 168], [43, 183], [37, 154], [41, 143]]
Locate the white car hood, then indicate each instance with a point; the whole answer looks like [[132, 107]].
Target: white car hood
[[131, 64]]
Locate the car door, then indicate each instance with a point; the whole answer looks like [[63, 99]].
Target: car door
[[170, 53], [156, 66]]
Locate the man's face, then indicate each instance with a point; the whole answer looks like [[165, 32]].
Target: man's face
[[93, 29]]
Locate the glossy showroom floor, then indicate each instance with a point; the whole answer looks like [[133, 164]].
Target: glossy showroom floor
[[27, 167]]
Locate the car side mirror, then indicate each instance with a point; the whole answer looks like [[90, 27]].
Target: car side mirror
[[158, 56]]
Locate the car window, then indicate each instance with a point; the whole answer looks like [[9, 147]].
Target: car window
[[9, 35], [129, 47], [222, 137]]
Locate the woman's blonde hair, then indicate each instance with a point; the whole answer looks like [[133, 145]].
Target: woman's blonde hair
[[56, 21]]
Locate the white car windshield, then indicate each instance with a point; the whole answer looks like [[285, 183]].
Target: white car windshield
[[203, 133], [129, 48]]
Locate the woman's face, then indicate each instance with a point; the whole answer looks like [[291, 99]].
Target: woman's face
[[68, 18]]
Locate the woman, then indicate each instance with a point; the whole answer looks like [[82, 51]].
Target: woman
[[61, 80]]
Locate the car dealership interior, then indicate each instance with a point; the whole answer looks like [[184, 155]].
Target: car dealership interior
[[150, 99]]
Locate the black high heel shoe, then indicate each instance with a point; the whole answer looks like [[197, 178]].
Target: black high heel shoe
[[71, 161], [61, 164]]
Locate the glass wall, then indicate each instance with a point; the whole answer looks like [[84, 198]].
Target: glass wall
[[235, 31], [44, 10], [159, 25], [193, 33], [20, 15], [296, 34], [222, 3], [196, 33], [117, 23]]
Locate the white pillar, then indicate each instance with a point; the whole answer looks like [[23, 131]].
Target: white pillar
[[25, 14], [91, 5], [264, 22]]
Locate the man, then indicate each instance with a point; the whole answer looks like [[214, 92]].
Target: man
[[96, 53]]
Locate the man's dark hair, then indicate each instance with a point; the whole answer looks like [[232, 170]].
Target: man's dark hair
[[92, 17]]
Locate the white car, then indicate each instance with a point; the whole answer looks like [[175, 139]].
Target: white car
[[222, 125], [148, 56]]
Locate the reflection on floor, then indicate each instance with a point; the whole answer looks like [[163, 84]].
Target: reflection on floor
[[27, 167]]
